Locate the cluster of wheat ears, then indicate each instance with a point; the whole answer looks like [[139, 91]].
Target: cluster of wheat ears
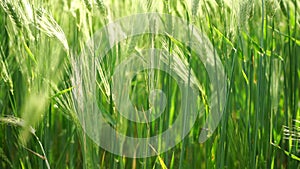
[[257, 41]]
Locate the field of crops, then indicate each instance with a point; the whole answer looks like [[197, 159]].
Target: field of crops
[[149, 84]]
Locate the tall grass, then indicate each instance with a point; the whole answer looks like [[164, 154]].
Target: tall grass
[[258, 42]]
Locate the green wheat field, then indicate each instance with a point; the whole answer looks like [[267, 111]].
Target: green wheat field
[[257, 41]]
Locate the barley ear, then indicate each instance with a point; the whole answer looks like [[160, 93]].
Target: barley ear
[[88, 4], [102, 7], [13, 14]]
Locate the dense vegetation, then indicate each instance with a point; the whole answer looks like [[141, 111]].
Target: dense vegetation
[[258, 42]]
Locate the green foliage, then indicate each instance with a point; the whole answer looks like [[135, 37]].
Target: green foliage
[[258, 43]]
